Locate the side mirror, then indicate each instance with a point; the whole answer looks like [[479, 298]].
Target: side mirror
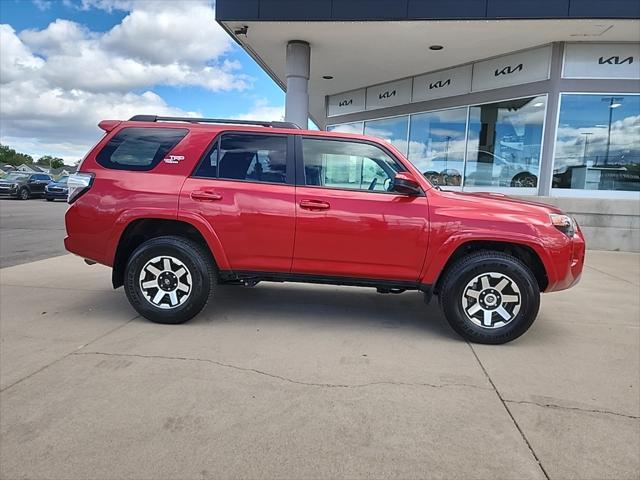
[[406, 184]]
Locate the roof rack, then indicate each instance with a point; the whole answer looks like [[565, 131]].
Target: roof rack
[[231, 121]]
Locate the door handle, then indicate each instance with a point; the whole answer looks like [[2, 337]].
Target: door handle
[[314, 205], [206, 196]]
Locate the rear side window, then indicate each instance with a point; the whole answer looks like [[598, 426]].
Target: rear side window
[[139, 148], [248, 157]]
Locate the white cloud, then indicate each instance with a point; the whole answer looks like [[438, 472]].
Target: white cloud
[[261, 110], [58, 82]]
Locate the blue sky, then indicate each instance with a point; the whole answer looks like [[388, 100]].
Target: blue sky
[[66, 64]]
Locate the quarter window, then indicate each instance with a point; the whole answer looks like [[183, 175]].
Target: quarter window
[[139, 148], [347, 165]]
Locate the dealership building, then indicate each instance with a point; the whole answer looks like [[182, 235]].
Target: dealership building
[[532, 98]]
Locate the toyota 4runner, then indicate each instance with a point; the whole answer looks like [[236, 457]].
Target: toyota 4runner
[[177, 206]]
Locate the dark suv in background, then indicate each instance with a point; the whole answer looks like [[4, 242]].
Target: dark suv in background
[[24, 185]]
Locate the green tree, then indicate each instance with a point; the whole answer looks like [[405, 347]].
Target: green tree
[[49, 161], [9, 156]]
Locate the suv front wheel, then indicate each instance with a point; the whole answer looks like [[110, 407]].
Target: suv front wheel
[[169, 279], [490, 297]]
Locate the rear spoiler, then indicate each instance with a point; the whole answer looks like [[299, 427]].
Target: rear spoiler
[[108, 125]]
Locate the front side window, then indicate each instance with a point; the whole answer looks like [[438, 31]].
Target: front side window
[[504, 143], [248, 157], [139, 148], [393, 130], [347, 165], [598, 142], [437, 144]]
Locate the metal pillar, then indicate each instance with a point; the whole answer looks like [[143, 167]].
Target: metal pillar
[[296, 107]]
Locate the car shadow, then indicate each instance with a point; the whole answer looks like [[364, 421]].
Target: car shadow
[[324, 305]]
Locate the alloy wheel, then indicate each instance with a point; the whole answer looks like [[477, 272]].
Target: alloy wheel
[[491, 300], [165, 282]]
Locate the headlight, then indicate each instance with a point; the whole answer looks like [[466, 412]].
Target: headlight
[[13, 185], [564, 223]]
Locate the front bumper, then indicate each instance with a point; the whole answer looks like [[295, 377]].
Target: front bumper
[[569, 263], [9, 192], [56, 195]]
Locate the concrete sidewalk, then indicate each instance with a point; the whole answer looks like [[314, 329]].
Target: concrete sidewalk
[[298, 381]]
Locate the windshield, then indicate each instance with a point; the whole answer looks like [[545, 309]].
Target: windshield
[[16, 176]]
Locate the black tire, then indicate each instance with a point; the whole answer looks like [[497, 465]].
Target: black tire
[[490, 267], [184, 253], [24, 194]]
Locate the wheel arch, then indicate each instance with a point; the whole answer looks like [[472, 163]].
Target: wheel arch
[[139, 230], [523, 252]]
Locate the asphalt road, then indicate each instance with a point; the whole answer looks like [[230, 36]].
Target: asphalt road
[[30, 230]]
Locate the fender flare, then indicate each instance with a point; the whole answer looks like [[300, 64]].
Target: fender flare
[[435, 262], [196, 221]]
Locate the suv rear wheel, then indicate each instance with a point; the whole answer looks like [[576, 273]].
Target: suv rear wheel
[[490, 297], [169, 279]]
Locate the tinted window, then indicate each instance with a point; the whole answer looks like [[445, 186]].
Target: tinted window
[[348, 165], [254, 158], [139, 148]]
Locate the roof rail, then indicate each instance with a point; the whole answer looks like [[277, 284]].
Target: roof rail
[[231, 121]]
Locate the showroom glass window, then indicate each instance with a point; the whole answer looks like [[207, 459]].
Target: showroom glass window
[[437, 144], [355, 127], [504, 143], [598, 142], [393, 130]]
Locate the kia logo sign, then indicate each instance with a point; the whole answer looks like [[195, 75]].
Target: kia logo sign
[[439, 84], [615, 60], [344, 103], [387, 94], [508, 70]]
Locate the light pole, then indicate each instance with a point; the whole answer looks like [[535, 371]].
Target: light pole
[[586, 142], [614, 102]]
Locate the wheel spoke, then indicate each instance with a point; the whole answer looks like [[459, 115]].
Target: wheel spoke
[[485, 282], [159, 296], [150, 284], [166, 264], [183, 287], [473, 293], [510, 299], [486, 319], [503, 313], [153, 270], [503, 283], [180, 272], [173, 298], [475, 308]]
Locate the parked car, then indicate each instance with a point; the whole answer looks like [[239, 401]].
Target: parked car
[[488, 170], [178, 205], [24, 185], [57, 189]]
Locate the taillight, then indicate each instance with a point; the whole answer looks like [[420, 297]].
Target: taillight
[[78, 184]]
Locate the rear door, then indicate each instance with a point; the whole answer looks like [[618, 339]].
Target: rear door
[[37, 182], [349, 221], [244, 188]]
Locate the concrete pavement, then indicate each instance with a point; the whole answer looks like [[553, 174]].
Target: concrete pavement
[[301, 381]]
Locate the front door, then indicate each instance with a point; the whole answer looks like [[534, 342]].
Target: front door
[[349, 222], [244, 188]]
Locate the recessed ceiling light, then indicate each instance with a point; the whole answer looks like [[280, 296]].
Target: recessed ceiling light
[[327, 77], [436, 47]]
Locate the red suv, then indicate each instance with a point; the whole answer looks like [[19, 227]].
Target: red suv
[[178, 205]]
